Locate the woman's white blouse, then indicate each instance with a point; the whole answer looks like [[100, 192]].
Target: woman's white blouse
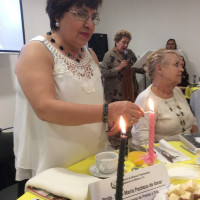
[[40, 145]]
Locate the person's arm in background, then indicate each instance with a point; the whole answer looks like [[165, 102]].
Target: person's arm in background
[[107, 66]]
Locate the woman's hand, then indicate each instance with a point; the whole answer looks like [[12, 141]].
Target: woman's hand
[[114, 128], [130, 112], [123, 65]]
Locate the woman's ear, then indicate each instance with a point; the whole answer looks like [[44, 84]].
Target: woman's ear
[[159, 69]]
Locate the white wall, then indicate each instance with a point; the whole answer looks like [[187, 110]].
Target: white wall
[[7, 94], [151, 23], [35, 22]]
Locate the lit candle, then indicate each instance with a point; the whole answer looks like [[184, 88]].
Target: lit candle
[[151, 132], [122, 153], [151, 156]]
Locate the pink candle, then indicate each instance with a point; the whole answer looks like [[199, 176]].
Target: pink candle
[[151, 156], [151, 132]]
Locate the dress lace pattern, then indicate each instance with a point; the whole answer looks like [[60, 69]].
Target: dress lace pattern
[[85, 72]]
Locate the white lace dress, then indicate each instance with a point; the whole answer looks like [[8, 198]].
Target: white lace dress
[[40, 145]]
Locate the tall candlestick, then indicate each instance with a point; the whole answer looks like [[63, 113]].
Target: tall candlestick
[[122, 153], [151, 132], [150, 158]]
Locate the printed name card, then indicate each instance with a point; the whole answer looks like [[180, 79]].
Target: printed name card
[[141, 184]]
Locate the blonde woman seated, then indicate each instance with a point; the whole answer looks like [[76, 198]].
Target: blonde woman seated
[[172, 113]]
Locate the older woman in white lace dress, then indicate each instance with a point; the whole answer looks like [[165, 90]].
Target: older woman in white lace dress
[[60, 110]]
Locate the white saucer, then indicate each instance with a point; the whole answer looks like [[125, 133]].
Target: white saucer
[[95, 172]]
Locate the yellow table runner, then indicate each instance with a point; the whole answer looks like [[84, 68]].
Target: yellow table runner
[[83, 168]]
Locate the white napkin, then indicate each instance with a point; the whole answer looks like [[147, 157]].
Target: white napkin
[[63, 183], [179, 173], [164, 145]]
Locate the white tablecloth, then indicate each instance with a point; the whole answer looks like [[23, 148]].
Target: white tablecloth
[[195, 105]]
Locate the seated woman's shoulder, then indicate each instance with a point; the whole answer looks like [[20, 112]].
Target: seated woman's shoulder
[[109, 52], [178, 90], [142, 97]]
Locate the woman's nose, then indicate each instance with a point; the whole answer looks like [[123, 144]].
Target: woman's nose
[[126, 45], [181, 68]]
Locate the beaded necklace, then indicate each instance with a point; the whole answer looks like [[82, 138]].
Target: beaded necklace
[[52, 40], [179, 114]]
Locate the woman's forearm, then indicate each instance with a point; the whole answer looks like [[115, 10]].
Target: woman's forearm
[[69, 114]]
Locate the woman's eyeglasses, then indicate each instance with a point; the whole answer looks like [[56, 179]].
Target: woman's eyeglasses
[[84, 16]]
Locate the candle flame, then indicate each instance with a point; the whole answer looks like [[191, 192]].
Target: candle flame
[[122, 125], [151, 105]]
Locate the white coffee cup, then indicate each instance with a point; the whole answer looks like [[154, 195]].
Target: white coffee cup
[[106, 162]]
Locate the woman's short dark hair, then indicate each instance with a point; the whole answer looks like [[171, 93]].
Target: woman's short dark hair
[[56, 8]]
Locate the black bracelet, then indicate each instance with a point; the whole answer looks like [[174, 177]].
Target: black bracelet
[[105, 113]]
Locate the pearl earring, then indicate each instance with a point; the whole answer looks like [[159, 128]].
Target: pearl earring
[[57, 24]]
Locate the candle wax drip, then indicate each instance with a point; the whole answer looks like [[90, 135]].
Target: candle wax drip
[[149, 159]]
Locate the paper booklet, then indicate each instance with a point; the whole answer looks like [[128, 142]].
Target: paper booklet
[[141, 61], [44, 194]]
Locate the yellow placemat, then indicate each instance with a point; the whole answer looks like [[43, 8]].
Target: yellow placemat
[[175, 144], [30, 196], [83, 166]]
